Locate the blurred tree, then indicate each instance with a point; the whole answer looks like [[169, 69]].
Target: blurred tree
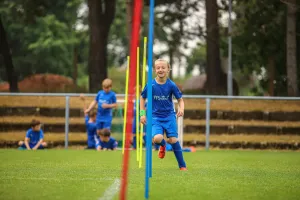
[[101, 16], [291, 61], [5, 52], [255, 31], [41, 35], [197, 57], [174, 28], [216, 79], [258, 42]]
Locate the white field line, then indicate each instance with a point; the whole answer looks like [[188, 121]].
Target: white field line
[[55, 179], [111, 191]]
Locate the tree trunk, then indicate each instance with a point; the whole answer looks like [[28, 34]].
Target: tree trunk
[[216, 79], [129, 18], [271, 75], [101, 15], [75, 66], [5, 52], [171, 62], [291, 63]]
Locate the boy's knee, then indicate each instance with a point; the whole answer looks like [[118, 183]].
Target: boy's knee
[[20, 143], [158, 138], [172, 140]]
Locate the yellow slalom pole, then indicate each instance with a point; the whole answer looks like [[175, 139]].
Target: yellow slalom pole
[[125, 106], [137, 92], [143, 85]]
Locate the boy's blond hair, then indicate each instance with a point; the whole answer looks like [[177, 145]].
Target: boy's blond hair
[[107, 83], [162, 60]]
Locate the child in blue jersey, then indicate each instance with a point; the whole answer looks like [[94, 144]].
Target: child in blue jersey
[[91, 127], [106, 100], [163, 111], [34, 138], [106, 142]]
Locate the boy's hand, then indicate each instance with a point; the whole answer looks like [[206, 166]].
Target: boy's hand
[[143, 120], [98, 148], [180, 113], [86, 111], [34, 148], [82, 97], [105, 105]]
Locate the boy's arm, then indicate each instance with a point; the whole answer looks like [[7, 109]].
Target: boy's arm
[[84, 105], [180, 107], [91, 106], [115, 145], [98, 145], [26, 143], [38, 144], [40, 141], [142, 103], [142, 110], [113, 105]]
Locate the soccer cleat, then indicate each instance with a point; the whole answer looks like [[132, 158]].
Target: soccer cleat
[[162, 152], [183, 169]]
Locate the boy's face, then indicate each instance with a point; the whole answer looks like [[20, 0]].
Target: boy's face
[[104, 138], [36, 127], [106, 89], [161, 69]]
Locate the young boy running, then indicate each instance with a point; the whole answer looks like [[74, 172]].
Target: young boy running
[[163, 112]]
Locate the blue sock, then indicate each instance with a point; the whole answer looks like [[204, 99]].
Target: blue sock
[[134, 142], [178, 154], [186, 150], [156, 146], [162, 143]]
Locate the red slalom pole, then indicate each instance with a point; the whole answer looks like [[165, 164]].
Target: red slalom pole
[[134, 43]]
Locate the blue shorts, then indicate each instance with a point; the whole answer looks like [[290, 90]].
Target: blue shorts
[[31, 145], [103, 124], [168, 125]]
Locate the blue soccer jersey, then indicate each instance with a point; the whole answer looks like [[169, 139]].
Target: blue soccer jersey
[[34, 136], [105, 114], [91, 129], [162, 98], [111, 144]]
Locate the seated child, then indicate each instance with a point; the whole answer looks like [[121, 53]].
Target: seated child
[[106, 142], [34, 138], [91, 126]]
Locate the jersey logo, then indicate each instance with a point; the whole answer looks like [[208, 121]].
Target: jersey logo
[[161, 98]]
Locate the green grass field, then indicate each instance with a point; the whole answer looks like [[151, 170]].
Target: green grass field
[[81, 174]]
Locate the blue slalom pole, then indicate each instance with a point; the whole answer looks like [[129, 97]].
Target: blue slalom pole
[[148, 171]]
